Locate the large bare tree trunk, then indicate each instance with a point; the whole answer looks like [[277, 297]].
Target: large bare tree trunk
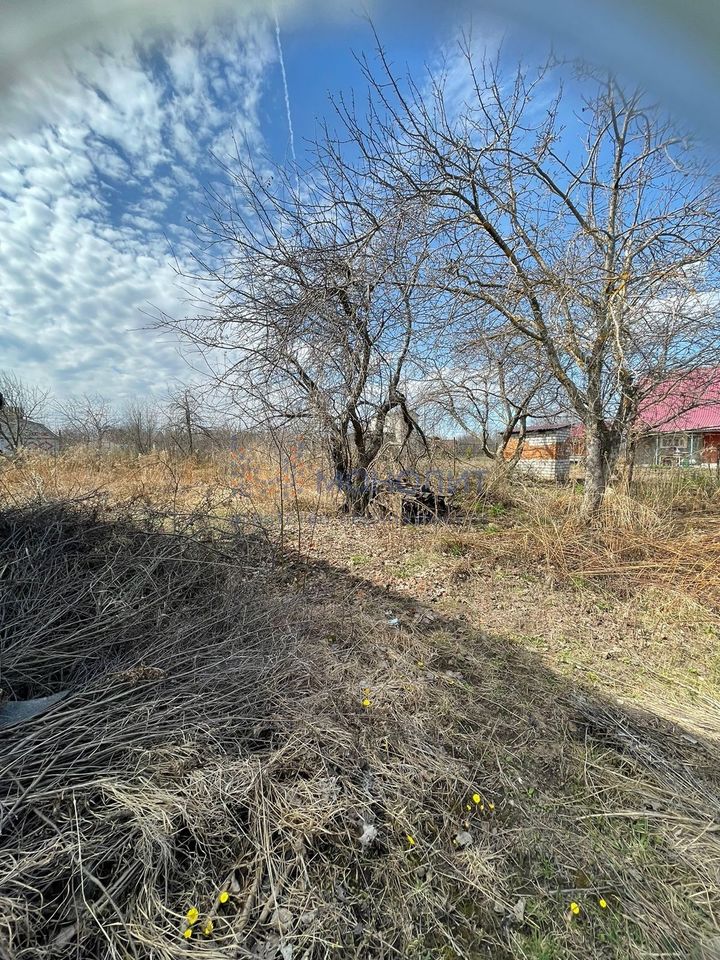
[[595, 476], [601, 453], [356, 488], [351, 482]]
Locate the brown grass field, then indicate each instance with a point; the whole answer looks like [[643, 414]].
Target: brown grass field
[[286, 733]]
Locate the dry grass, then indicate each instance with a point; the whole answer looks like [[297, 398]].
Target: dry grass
[[216, 738], [261, 478], [636, 546], [162, 651]]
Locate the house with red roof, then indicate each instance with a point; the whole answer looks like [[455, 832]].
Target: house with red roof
[[678, 425], [679, 421]]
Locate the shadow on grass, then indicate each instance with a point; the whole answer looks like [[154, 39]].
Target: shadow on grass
[[361, 776]]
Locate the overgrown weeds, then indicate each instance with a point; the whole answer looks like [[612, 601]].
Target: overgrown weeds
[[636, 545], [634, 548], [254, 756], [159, 653]]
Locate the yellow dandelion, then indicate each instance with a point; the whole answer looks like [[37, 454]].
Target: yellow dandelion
[[208, 928], [224, 896], [491, 805], [192, 915], [575, 908], [603, 903], [188, 933], [411, 840], [476, 798], [366, 703]]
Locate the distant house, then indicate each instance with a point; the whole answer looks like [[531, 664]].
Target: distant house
[[32, 434], [37, 436], [678, 425], [680, 421]]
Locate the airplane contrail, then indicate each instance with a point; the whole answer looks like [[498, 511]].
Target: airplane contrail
[[285, 88]]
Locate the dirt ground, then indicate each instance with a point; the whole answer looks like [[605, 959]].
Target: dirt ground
[[653, 646]]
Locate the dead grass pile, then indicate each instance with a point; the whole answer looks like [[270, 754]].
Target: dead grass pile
[[289, 766], [156, 652]]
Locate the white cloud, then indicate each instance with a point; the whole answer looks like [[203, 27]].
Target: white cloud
[[100, 160]]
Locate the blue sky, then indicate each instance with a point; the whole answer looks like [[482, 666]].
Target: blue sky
[[105, 152], [106, 139]]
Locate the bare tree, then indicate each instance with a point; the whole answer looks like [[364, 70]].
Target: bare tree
[[20, 404], [185, 426], [583, 219], [320, 295], [90, 419], [491, 388], [140, 425]]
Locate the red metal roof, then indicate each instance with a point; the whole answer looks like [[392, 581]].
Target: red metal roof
[[689, 401], [686, 402]]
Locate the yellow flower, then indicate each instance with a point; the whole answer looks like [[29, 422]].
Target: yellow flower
[[575, 908], [468, 807], [603, 903], [208, 928], [224, 896], [476, 798], [411, 840], [366, 703], [188, 933], [491, 805], [192, 915]]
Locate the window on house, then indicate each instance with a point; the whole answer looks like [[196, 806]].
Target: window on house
[[675, 441]]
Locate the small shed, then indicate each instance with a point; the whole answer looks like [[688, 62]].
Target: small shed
[[545, 452]]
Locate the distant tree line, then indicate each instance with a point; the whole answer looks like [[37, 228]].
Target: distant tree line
[[176, 424], [179, 423]]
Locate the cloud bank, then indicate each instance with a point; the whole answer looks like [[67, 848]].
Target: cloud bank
[[102, 161]]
